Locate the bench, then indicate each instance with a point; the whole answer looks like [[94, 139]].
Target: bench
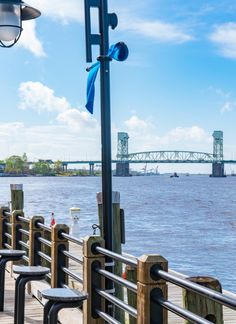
[[59, 298], [26, 274], [5, 256]]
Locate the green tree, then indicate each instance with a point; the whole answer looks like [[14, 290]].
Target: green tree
[[14, 165], [58, 167], [42, 167]]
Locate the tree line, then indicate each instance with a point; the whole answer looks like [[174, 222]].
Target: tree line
[[18, 165]]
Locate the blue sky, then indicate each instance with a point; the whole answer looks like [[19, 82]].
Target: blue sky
[[175, 89]]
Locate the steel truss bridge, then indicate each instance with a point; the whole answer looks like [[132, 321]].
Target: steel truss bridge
[[168, 157], [159, 157]]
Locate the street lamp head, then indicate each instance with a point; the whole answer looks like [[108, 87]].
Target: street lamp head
[[12, 13]]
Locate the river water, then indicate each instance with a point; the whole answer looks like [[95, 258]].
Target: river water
[[190, 220]]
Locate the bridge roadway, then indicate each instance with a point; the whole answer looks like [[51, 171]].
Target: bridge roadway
[[160, 157], [34, 308]]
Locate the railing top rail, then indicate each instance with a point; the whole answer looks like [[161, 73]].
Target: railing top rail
[[43, 226], [24, 219], [118, 257], [72, 239], [6, 213], [187, 284]]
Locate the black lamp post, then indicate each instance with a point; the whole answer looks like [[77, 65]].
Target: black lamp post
[[106, 20], [12, 13]]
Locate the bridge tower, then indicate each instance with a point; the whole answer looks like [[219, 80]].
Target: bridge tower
[[218, 165], [122, 167]]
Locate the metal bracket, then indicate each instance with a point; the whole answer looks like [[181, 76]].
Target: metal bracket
[[95, 39]]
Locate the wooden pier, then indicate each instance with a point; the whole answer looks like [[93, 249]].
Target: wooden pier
[[34, 307]]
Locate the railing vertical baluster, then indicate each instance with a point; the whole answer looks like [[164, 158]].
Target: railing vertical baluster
[[3, 229], [131, 275], [16, 225], [59, 260], [92, 259], [148, 311], [34, 244]]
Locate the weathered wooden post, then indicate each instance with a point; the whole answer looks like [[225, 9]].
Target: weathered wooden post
[[59, 260], [34, 244], [3, 227], [117, 240], [131, 275], [91, 279], [201, 305], [148, 311], [17, 197]]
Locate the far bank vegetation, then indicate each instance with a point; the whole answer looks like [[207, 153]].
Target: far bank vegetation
[[16, 165]]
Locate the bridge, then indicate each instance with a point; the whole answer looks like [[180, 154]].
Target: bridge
[[124, 158]]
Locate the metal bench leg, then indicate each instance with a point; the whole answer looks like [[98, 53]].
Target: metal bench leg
[[16, 299], [21, 300], [56, 307], [20, 313], [46, 310], [3, 262]]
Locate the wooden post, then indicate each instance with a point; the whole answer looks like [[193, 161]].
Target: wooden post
[[201, 305], [119, 290], [131, 275], [34, 245], [91, 279], [2, 226], [148, 311], [17, 197], [59, 260]]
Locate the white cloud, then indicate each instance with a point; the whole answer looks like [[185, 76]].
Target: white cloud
[[224, 36], [36, 96], [78, 120], [64, 11], [157, 30], [29, 40], [144, 137], [49, 142], [227, 102], [61, 10], [192, 134], [136, 123], [227, 107], [73, 134]]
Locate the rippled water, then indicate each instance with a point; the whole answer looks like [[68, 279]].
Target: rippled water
[[189, 220]]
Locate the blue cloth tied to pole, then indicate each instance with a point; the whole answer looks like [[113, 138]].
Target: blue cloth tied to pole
[[118, 52]]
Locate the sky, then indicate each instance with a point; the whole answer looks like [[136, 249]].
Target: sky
[[176, 87]]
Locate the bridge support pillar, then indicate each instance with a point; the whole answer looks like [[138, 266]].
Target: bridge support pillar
[[64, 167], [91, 169], [122, 169], [218, 170]]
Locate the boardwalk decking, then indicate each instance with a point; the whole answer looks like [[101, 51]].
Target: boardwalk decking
[[34, 309]]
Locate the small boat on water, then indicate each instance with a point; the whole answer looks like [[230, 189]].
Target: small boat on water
[[174, 175]]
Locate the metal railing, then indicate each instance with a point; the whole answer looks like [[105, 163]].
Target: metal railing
[[43, 242]]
